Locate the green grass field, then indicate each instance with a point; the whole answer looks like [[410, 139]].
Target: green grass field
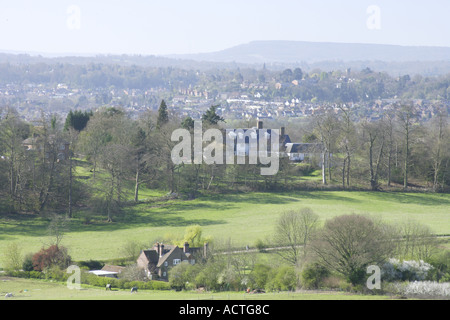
[[240, 218], [25, 289]]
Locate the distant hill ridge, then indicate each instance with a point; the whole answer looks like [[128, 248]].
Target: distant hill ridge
[[312, 52], [278, 55]]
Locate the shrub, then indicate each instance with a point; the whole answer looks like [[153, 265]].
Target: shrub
[[335, 283], [305, 169], [35, 275], [441, 267], [27, 264], [133, 273], [421, 289], [208, 277], [283, 279], [96, 281], [313, 276], [160, 285], [348, 244], [133, 284], [60, 275], [356, 276], [13, 257], [179, 276], [141, 285], [260, 276], [53, 256], [260, 245], [131, 250], [91, 265], [394, 270], [397, 175], [230, 280], [53, 273], [56, 274], [93, 280], [26, 274], [445, 277]]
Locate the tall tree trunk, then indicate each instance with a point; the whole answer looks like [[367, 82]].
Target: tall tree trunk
[[406, 164], [70, 188], [389, 166], [396, 154], [391, 144], [437, 165], [406, 115], [45, 191], [377, 169], [110, 198], [324, 176], [11, 177], [371, 169], [438, 160], [94, 170], [343, 172], [348, 169], [329, 165], [444, 170], [374, 168], [136, 187]]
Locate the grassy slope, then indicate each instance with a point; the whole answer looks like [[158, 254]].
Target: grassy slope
[[243, 218]]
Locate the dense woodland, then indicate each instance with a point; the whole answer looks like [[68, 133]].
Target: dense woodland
[[397, 152]]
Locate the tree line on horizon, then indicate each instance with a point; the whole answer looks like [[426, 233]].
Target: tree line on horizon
[[362, 85]]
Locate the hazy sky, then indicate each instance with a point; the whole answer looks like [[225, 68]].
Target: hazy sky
[[192, 26]]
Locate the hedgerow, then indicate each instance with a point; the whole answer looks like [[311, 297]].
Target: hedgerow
[[90, 279]]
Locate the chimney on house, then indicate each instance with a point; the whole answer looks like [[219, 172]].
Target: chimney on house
[[161, 250], [260, 125], [157, 248], [186, 247], [283, 131]]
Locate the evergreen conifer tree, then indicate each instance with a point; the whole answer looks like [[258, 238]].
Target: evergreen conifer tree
[[163, 115]]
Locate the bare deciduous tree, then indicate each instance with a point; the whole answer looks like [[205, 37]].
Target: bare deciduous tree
[[57, 228], [417, 241], [439, 145], [406, 116], [347, 143], [13, 257], [349, 244], [293, 231], [327, 128], [375, 134]]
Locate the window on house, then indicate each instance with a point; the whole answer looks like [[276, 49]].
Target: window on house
[[192, 261], [164, 274], [176, 261], [166, 264]]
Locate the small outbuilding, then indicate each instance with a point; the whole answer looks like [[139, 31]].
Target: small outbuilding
[[108, 271]]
